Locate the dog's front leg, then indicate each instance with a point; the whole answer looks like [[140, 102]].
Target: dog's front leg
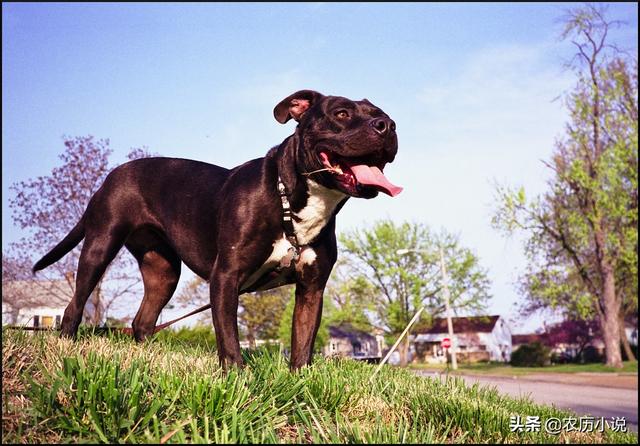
[[224, 309], [312, 273], [306, 321]]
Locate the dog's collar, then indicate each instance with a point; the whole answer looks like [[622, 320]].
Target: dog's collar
[[287, 224]]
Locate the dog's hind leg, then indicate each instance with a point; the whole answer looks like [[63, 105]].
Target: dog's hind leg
[[160, 268], [224, 311], [97, 252]]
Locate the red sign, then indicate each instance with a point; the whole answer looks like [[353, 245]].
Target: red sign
[[446, 342]]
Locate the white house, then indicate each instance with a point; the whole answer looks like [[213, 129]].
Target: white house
[[30, 303], [38, 317], [37, 303], [477, 338]]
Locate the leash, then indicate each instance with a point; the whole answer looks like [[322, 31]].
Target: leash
[[166, 324]]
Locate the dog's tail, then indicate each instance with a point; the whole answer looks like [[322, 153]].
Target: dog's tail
[[67, 244]]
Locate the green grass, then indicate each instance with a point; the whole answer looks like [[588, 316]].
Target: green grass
[[111, 390], [506, 369]]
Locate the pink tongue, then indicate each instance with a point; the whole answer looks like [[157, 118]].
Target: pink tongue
[[373, 176]]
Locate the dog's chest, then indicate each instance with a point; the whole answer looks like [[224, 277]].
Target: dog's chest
[[308, 222], [311, 219], [267, 276]]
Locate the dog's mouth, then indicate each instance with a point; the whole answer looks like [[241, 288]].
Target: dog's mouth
[[356, 177]]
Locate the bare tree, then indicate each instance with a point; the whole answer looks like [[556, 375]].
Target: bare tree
[[48, 207]]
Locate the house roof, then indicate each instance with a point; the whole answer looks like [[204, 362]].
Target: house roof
[[470, 324], [37, 292], [346, 331]]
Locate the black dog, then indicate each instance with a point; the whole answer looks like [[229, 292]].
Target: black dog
[[265, 223]]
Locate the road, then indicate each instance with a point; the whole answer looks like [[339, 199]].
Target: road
[[597, 400]]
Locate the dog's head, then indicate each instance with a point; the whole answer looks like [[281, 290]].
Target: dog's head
[[343, 144]]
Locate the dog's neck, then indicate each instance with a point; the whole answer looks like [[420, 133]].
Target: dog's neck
[[287, 166], [313, 204]]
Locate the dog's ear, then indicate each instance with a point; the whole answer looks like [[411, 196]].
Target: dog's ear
[[295, 105]]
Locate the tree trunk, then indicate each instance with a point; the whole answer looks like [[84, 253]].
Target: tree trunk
[[610, 322], [96, 296], [625, 342]]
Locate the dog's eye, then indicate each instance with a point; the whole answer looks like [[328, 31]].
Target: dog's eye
[[342, 114]]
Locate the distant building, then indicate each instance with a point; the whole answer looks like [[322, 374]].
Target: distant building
[[571, 349], [36, 304], [478, 338], [346, 341]]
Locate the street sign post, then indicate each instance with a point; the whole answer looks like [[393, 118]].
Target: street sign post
[[445, 343]]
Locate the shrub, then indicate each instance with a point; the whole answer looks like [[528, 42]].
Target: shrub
[[531, 355], [590, 355], [562, 358], [198, 336]]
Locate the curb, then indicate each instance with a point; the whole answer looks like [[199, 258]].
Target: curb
[[538, 378]]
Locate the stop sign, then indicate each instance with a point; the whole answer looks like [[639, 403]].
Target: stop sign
[[446, 342]]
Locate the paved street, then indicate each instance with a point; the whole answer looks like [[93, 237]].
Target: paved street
[[600, 400]]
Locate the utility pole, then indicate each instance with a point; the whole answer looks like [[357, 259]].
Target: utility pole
[[445, 287]]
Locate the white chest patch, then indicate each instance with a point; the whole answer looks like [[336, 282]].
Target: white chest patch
[[280, 250], [307, 256], [316, 214]]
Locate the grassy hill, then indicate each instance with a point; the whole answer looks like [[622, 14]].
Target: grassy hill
[[108, 389]]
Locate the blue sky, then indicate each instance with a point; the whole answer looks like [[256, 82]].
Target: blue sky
[[470, 86]]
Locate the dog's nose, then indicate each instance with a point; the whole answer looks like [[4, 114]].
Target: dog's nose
[[383, 125]]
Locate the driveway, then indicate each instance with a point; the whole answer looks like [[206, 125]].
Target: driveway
[[598, 395]]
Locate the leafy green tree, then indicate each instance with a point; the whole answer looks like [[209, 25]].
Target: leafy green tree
[[582, 234], [401, 284], [260, 313], [351, 299]]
